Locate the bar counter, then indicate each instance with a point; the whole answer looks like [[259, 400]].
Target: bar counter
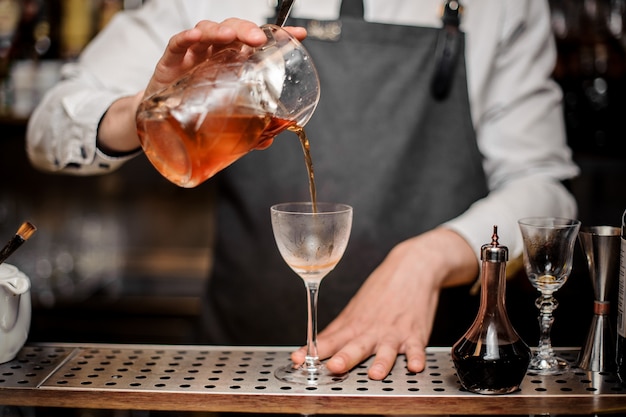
[[240, 379]]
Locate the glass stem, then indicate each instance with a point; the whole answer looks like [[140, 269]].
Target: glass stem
[[546, 304], [312, 357]]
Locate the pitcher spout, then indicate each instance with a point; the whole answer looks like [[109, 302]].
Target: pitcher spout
[[15, 286]]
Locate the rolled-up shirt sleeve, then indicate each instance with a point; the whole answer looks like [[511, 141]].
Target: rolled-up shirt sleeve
[[519, 123], [62, 131]]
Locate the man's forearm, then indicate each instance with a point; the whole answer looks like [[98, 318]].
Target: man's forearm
[[117, 132]]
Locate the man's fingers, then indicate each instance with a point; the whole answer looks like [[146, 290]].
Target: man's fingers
[[350, 356], [329, 342], [383, 362], [242, 30], [178, 45], [207, 33], [296, 31], [352, 353], [415, 357]]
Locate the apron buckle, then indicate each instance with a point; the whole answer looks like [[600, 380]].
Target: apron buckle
[[448, 46]]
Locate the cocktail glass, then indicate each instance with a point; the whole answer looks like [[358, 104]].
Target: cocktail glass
[[548, 252], [311, 242]]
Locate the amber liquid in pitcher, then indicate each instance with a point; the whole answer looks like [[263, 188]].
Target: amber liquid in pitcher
[[200, 155], [193, 155]]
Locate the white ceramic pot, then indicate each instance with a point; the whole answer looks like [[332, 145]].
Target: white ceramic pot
[[15, 311]]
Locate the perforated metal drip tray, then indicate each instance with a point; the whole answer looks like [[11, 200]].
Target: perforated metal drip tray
[[33, 365], [219, 370]]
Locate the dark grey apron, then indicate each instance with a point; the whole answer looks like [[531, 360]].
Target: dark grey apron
[[381, 142]]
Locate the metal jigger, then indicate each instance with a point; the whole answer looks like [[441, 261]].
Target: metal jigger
[[601, 245]]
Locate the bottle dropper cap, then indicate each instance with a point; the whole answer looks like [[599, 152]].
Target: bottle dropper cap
[[494, 252]]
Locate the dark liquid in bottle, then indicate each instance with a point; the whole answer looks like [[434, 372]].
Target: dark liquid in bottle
[[479, 373]]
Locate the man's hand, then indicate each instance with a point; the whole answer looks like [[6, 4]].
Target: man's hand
[[117, 131], [393, 312], [191, 47]]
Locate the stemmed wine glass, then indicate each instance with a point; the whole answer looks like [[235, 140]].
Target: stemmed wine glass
[[311, 239], [548, 252]]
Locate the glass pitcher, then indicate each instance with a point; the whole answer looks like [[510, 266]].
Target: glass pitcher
[[235, 102]]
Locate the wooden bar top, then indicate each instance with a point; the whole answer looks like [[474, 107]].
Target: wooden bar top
[[240, 379]]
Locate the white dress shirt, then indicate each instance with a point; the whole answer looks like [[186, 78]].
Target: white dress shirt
[[515, 106]]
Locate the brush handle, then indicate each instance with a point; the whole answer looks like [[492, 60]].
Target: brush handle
[[10, 247]]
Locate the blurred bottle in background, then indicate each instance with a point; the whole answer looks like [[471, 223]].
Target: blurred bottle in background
[[37, 36], [591, 69]]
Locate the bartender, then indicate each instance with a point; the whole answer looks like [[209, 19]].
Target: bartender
[[437, 120]]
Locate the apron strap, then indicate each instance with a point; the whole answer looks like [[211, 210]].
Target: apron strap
[[352, 8], [448, 49]]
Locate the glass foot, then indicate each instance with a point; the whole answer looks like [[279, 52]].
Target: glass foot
[[308, 375], [550, 365]]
